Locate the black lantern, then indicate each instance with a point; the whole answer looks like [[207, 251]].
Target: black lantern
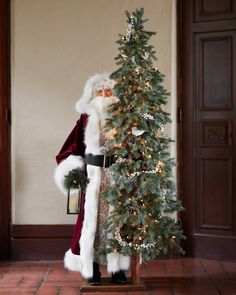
[[76, 182], [74, 200]]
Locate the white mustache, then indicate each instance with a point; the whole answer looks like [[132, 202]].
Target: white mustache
[[104, 96]]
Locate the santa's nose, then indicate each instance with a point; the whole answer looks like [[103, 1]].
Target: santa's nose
[[107, 92]]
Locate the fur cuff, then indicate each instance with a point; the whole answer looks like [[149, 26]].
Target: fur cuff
[[117, 261], [70, 163], [72, 261]]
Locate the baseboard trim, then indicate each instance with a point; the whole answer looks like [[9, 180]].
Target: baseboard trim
[[40, 241]]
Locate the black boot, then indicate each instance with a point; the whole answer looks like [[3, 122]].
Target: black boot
[[96, 279], [119, 277]]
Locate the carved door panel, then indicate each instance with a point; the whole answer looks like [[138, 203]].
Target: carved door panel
[[209, 127]]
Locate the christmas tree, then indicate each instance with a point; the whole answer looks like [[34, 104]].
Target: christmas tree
[[141, 190]]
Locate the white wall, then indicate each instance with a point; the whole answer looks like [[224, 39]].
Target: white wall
[[56, 46]]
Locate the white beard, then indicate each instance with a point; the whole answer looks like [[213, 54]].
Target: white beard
[[102, 103]]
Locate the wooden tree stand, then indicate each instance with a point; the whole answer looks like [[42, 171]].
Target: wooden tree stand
[[135, 283]]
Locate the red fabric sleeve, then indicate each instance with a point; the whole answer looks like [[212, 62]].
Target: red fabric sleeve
[[74, 144]]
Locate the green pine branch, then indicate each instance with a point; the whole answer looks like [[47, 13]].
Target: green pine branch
[[76, 178]]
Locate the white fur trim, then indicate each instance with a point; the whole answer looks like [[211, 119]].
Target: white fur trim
[[124, 262], [112, 262], [90, 220], [72, 261], [117, 261], [92, 134], [82, 107], [70, 163]]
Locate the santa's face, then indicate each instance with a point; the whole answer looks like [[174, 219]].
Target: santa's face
[[105, 92]]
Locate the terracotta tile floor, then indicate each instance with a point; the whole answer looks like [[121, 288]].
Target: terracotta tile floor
[[172, 277]]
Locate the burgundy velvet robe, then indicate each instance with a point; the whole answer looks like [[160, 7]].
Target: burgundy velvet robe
[[74, 145]]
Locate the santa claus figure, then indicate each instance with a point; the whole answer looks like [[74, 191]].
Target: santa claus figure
[[85, 149]]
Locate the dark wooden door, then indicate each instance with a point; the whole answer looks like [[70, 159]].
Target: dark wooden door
[[5, 196], [207, 52]]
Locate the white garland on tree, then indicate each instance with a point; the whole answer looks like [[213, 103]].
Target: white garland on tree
[[133, 245]]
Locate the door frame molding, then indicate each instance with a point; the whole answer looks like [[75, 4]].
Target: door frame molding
[[179, 95], [5, 144], [184, 157]]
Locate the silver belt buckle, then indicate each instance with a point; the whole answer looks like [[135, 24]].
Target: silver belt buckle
[[104, 161]]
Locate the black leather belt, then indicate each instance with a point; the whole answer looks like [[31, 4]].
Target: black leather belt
[[99, 160]]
